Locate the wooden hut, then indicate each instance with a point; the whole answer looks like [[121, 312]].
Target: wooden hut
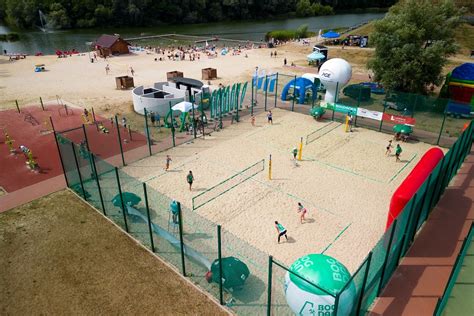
[[107, 45]]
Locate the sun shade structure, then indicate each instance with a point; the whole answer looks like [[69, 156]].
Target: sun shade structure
[[331, 34], [184, 106], [315, 56], [402, 128]]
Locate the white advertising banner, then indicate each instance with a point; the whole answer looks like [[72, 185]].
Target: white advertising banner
[[375, 115]]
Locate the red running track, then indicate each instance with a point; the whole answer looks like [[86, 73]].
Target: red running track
[[28, 128]]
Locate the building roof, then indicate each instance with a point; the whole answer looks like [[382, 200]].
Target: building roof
[[107, 40], [188, 82]]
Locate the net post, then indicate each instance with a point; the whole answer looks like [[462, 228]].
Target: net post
[[294, 95], [121, 199], [181, 242], [17, 106], [145, 193], [387, 255], [194, 116], [119, 140], [254, 81], [219, 253], [364, 283], [147, 131], [383, 113], [269, 285], [60, 155], [276, 89], [442, 126], [78, 171], [300, 152], [98, 183], [270, 168], [41, 103], [266, 91]]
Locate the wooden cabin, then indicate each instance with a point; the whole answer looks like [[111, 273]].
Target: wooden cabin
[[107, 45]]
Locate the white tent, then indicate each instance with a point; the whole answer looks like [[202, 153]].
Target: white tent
[[184, 106]]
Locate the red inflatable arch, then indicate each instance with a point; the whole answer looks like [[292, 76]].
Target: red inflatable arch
[[413, 182]]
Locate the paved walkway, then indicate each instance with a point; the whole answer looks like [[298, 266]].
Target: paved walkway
[[423, 273]]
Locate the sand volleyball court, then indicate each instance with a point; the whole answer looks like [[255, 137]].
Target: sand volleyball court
[[345, 180]]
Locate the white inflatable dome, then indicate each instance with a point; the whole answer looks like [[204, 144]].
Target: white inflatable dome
[[334, 74]]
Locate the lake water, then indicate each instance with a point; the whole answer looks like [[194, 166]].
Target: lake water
[[32, 42]]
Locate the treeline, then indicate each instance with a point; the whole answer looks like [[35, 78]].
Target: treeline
[[92, 13]]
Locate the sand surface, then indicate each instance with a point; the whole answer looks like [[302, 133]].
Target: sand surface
[[344, 180]]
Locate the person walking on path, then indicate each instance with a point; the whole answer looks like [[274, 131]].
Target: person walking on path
[[285, 62], [152, 118], [270, 117], [168, 160], [107, 69], [132, 71], [281, 231], [398, 151], [389, 148], [303, 211], [190, 179]]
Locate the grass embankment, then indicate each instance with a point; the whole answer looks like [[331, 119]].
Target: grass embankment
[[59, 256]]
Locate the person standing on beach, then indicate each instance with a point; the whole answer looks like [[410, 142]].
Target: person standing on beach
[[132, 71], [281, 230], [295, 153], [303, 211], [270, 117], [252, 120], [152, 118], [107, 69], [168, 160], [398, 151], [285, 62], [190, 179], [124, 122], [389, 148]]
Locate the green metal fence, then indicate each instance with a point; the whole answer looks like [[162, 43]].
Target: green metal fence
[[192, 243], [434, 120], [453, 278]]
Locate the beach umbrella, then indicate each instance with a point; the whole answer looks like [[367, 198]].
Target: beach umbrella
[[331, 34], [130, 199], [317, 112], [402, 128], [184, 106], [315, 56], [234, 272]]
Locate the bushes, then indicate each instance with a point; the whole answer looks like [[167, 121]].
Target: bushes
[[11, 37], [286, 35], [304, 9]]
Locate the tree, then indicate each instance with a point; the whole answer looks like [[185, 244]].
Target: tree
[[303, 8], [57, 16], [412, 44]]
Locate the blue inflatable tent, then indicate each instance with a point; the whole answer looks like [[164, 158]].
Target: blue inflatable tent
[[299, 88]]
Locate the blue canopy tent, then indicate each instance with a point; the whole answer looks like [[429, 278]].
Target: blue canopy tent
[[331, 34], [300, 85]]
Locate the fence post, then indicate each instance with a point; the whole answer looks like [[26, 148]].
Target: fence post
[[251, 98], [98, 183], [276, 89], [119, 140], [121, 199], [269, 289], [85, 137], [147, 132], [266, 91], [389, 248], [181, 242], [364, 282], [17, 106], [41, 103], [408, 231], [78, 171], [172, 125], [436, 192], [383, 112], [442, 126], [294, 95], [148, 216], [60, 156], [219, 256]]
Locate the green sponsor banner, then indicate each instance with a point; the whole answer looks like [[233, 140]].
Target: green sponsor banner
[[341, 108]]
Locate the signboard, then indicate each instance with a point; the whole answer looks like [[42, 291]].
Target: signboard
[[374, 115], [339, 108], [397, 119]]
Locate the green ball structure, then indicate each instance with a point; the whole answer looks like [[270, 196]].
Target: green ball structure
[[328, 277], [317, 112]]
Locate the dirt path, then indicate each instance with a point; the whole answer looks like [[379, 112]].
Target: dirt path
[[59, 256]]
